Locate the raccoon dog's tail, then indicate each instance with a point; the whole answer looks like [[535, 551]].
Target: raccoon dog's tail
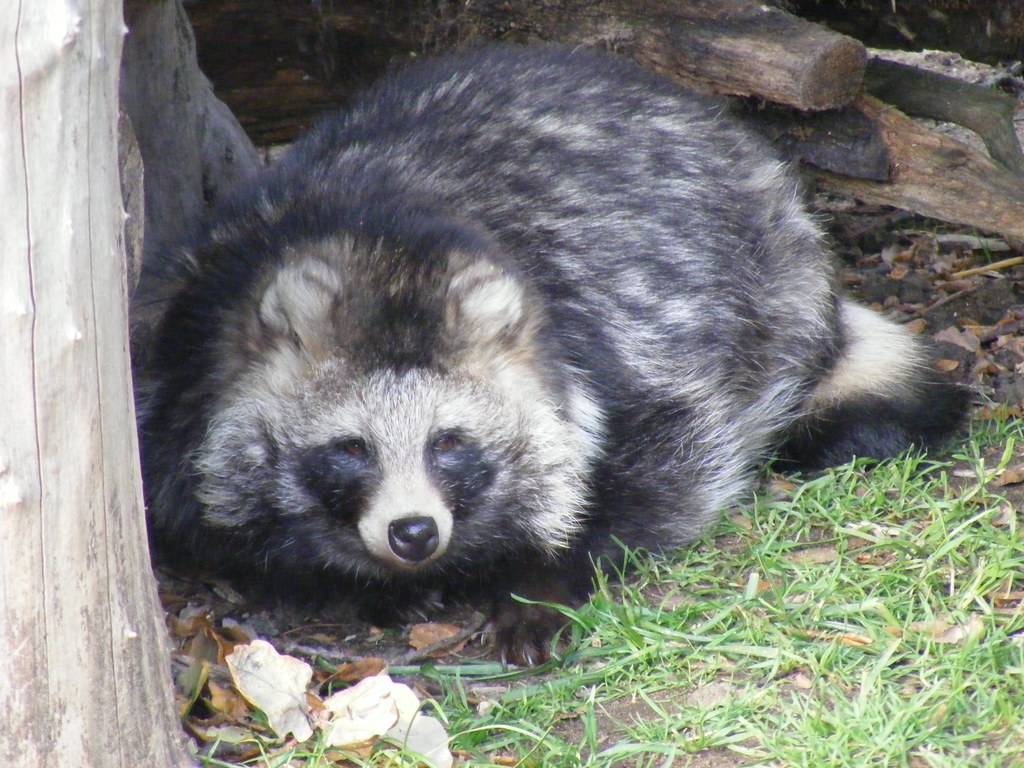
[[882, 396]]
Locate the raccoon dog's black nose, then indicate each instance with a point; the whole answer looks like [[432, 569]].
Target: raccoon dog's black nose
[[413, 538]]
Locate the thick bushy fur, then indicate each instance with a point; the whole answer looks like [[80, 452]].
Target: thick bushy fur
[[539, 296]]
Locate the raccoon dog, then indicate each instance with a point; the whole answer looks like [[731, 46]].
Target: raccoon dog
[[514, 306]]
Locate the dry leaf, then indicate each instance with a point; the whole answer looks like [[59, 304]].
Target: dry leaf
[[710, 695], [275, 684], [360, 669], [189, 684], [1003, 517], [226, 701], [899, 271], [1008, 599], [941, 631], [917, 327], [855, 641], [801, 681], [424, 735], [190, 621], [366, 711], [229, 734], [378, 707], [849, 639], [423, 636], [779, 487], [813, 556], [1010, 476], [952, 335]]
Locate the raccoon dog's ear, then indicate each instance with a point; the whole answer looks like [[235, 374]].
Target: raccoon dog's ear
[[485, 305], [298, 302]]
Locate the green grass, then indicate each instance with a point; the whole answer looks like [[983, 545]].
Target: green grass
[[804, 633]]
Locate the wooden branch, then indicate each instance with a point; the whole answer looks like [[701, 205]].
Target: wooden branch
[[739, 47], [921, 93], [936, 176], [192, 147], [844, 141], [750, 49], [279, 63]]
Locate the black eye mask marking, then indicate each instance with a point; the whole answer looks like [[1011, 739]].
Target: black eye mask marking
[[340, 474], [460, 469]]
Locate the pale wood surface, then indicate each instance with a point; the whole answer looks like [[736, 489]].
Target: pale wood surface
[[83, 665]]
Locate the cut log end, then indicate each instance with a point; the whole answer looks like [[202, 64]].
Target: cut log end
[[836, 76]]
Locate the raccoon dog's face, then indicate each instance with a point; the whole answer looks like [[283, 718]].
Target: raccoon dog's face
[[386, 418]]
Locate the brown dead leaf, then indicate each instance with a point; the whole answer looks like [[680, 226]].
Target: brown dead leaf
[[1004, 517], [190, 621], [801, 681], [225, 734], [878, 557], [1008, 599], [360, 669], [227, 702], [423, 636], [215, 644], [813, 556], [854, 641], [779, 486], [941, 631], [952, 335], [710, 695], [847, 638], [917, 327], [899, 271], [855, 542], [203, 647], [1010, 476], [1001, 412]]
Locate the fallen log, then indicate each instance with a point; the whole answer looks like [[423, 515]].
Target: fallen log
[[936, 176], [736, 47], [279, 63], [921, 93], [729, 46]]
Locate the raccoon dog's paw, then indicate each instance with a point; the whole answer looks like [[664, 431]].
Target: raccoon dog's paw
[[401, 607], [523, 633]]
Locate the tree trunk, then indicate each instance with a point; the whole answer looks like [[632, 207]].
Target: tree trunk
[[192, 147], [83, 667]]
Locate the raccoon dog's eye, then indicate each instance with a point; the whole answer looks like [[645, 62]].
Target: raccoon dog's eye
[[352, 446], [446, 442]]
